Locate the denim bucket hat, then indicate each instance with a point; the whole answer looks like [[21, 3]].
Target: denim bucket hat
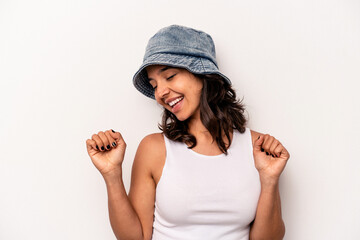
[[178, 46]]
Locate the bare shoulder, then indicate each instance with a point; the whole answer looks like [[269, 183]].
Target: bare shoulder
[[153, 147], [153, 140], [153, 144], [255, 135]]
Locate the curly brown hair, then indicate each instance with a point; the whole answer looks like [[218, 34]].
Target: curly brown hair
[[220, 111]]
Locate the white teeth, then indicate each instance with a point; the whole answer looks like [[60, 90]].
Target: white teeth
[[175, 101]]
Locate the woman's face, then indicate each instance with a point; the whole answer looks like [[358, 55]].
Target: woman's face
[[176, 89]]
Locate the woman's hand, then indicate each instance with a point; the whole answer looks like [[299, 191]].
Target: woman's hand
[[107, 150], [270, 157]]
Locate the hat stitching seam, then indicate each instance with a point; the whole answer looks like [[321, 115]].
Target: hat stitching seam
[[161, 47], [187, 55], [202, 64], [173, 46]]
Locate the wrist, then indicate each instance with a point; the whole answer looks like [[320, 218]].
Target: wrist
[[269, 182], [114, 175]]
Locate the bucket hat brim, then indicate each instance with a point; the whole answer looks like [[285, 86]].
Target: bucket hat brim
[[194, 64]]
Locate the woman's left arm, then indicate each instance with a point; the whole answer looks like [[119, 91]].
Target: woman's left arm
[[270, 159]]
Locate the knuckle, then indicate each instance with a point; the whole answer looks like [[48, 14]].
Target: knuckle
[[122, 141]]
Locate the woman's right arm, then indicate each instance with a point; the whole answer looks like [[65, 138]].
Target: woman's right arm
[[123, 218], [129, 218]]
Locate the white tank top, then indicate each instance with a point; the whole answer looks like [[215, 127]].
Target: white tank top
[[202, 197]]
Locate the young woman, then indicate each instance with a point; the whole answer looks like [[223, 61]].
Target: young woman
[[206, 175]]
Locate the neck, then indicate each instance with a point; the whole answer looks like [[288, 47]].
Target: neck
[[197, 128]]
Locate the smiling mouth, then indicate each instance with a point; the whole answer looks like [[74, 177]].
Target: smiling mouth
[[173, 103]]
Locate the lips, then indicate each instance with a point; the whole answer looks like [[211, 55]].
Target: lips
[[171, 104], [177, 106], [172, 99]]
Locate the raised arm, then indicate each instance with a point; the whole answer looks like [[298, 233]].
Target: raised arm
[[128, 221], [270, 160]]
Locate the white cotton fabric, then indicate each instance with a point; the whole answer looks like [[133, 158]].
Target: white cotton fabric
[[203, 197]]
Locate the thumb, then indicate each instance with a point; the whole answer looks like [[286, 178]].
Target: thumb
[[258, 142]]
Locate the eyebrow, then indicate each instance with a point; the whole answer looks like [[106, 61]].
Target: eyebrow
[[162, 70]]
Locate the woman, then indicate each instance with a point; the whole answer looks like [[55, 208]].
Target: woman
[[206, 176]]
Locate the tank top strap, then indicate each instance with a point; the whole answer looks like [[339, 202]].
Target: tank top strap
[[172, 147]]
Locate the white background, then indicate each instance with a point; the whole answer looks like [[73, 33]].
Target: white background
[[66, 72]]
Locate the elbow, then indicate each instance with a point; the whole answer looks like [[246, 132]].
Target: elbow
[[282, 231], [276, 233], [279, 232]]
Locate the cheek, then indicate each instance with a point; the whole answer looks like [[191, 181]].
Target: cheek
[[198, 89], [194, 87], [178, 86], [198, 85]]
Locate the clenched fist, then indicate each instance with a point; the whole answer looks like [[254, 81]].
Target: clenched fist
[[106, 150], [270, 156]]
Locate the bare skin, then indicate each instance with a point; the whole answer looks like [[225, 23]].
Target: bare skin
[[131, 215]]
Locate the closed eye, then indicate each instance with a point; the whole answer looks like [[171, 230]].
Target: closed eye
[[166, 79], [171, 76]]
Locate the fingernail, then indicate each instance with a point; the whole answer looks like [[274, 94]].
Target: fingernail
[[262, 150], [113, 131], [102, 148], [267, 153], [114, 144], [97, 147], [108, 146], [258, 137], [272, 155]]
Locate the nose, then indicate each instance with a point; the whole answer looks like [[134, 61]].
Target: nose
[[162, 90]]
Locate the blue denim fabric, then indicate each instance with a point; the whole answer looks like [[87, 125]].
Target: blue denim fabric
[[178, 46]]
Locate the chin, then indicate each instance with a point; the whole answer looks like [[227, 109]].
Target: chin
[[181, 118]]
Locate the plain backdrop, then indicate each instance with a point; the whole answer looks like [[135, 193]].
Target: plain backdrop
[[66, 71]]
